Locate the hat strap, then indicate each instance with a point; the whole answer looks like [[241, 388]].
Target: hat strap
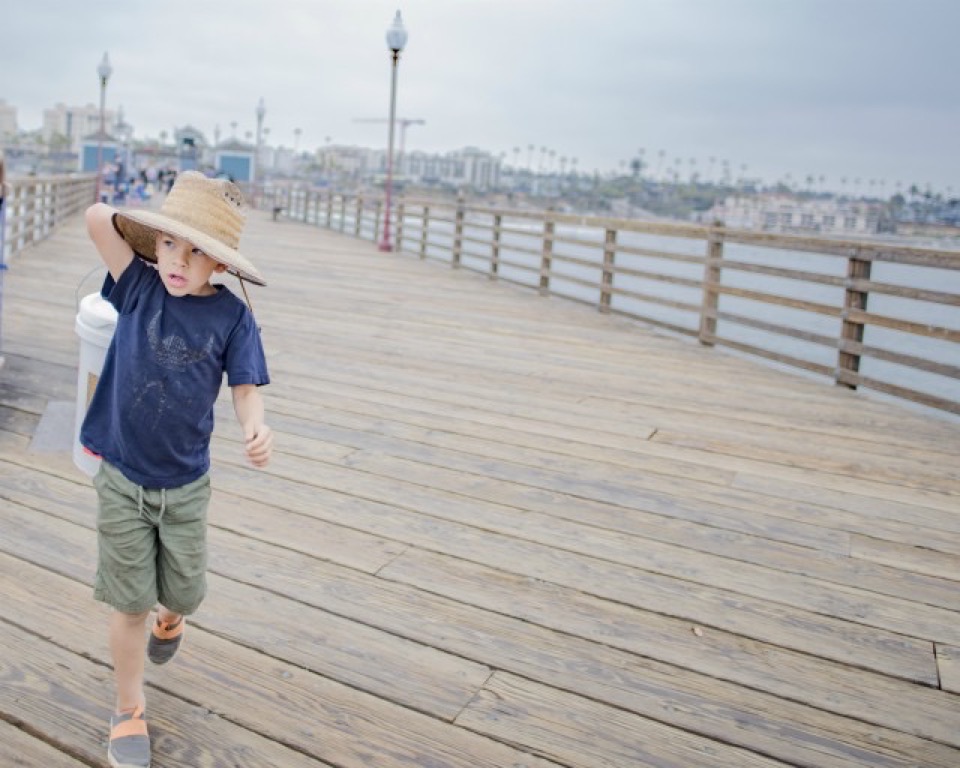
[[246, 296]]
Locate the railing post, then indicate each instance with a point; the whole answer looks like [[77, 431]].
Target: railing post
[[495, 246], [30, 216], [458, 234], [852, 330], [398, 236], [377, 218], [424, 231], [546, 256], [358, 219], [711, 285], [609, 258], [343, 212], [329, 210]]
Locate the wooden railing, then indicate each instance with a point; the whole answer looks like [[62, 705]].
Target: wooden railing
[[33, 208], [36, 205], [798, 301]]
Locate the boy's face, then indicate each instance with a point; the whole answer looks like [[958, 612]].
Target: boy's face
[[184, 269]]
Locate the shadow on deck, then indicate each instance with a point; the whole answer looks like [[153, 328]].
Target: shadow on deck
[[499, 530]]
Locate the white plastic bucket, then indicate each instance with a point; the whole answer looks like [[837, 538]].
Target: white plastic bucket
[[96, 321]]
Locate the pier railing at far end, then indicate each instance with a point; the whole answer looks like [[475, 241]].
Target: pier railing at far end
[[864, 313], [35, 205]]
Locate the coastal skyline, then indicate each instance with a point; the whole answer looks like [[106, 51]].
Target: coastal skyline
[[857, 89]]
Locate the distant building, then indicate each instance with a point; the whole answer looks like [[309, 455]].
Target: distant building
[[191, 146], [340, 160], [233, 158], [783, 213], [8, 122], [468, 167], [74, 123], [96, 144]]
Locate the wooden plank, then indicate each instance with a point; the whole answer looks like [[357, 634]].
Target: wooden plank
[[948, 662], [791, 450], [906, 558], [793, 589], [343, 726], [66, 696], [611, 624], [659, 515], [418, 675], [759, 619], [19, 749], [934, 590], [475, 634], [792, 515], [529, 651], [916, 506], [578, 732], [885, 655], [832, 569]]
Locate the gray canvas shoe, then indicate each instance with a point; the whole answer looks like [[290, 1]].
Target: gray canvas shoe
[[129, 741], [165, 640]]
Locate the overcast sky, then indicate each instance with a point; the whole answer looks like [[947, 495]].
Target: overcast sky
[[839, 88]]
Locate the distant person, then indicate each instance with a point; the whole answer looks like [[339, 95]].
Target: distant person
[[3, 192], [3, 180], [151, 418]]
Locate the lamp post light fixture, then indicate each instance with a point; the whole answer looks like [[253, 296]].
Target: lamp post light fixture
[[104, 70], [396, 39]]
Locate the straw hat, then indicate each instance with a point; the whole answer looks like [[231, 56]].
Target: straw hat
[[205, 212]]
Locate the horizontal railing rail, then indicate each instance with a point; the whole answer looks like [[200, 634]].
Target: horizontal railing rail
[[33, 208], [36, 205], [797, 301]]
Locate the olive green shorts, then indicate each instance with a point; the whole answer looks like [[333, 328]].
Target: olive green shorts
[[152, 544]]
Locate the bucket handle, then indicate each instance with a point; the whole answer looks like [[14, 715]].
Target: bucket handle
[[76, 293]]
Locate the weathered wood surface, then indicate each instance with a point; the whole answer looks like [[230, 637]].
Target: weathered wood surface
[[499, 530]]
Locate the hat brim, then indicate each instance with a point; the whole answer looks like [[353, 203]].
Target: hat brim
[[140, 228]]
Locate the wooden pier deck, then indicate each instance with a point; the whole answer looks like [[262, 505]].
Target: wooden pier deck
[[500, 530]]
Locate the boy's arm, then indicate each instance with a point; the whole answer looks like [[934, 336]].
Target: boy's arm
[[114, 250], [257, 436]]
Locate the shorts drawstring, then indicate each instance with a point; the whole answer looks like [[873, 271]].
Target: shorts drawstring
[[163, 503]]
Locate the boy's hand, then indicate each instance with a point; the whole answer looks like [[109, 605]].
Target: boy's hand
[[258, 445]]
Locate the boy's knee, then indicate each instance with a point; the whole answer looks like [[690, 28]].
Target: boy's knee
[[132, 619]]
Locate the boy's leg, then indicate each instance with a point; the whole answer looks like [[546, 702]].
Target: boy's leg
[[181, 565], [167, 616], [129, 745], [127, 645]]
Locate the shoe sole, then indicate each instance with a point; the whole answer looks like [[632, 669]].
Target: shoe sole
[[114, 764]]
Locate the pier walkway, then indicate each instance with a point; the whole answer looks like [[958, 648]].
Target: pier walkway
[[499, 530]]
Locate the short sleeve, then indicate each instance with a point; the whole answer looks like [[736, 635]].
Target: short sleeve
[[245, 362], [123, 293]]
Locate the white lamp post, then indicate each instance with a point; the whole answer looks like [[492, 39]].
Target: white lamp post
[[261, 111], [396, 39], [104, 70]]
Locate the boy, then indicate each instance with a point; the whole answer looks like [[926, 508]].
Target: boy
[[151, 418]]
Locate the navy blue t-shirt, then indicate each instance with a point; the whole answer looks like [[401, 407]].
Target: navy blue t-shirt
[[151, 415]]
